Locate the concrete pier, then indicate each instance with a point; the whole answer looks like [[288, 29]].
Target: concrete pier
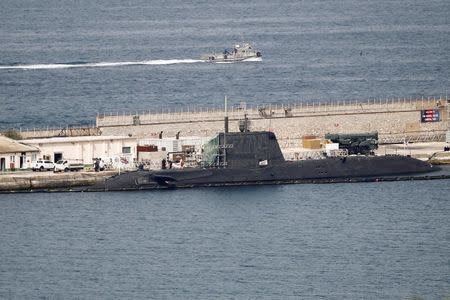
[[394, 119], [31, 181]]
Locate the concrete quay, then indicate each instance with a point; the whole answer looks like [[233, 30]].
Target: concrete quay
[[396, 120], [36, 181], [432, 151]]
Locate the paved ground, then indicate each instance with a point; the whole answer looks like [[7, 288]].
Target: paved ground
[[419, 150]]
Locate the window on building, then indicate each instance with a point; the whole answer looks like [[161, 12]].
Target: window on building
[[126, 149], [12, 158]]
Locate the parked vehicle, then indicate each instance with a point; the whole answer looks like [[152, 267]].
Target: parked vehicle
[[66, 166], [43, 165]]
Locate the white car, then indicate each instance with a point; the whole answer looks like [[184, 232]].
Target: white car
[[43, 165]]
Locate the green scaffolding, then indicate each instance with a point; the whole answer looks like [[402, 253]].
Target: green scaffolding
[[211, 152]]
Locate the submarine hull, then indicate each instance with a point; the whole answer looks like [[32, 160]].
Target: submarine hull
[[251, 158], [323, 170]]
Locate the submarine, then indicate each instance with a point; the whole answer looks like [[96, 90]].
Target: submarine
[[255, 158]]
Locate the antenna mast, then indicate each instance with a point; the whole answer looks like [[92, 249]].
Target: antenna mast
[[225, 133]]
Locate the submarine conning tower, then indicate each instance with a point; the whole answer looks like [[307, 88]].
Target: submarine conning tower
[[249, 149]]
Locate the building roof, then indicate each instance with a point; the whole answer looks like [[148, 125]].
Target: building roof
[[8, 145], [74, 139]]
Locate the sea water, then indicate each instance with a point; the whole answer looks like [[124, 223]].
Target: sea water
[[327, 241], [62, 62]]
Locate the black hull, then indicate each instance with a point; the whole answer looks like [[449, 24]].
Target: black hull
[[349, 169]]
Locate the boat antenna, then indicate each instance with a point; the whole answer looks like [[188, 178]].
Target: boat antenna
[[242, 38], [225, 133]]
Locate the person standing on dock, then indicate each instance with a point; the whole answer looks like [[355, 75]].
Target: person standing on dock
[[96, 165]]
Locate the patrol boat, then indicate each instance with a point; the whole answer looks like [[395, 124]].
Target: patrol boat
[[240, 52]]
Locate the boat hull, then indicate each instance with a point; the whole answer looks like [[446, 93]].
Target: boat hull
[[231, 60]]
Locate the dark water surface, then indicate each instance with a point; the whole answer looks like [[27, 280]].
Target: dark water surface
[[312, 50], [329, 241]]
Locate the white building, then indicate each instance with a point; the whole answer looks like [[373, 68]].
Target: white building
[[116, 151], [111, 149], [16, 155]]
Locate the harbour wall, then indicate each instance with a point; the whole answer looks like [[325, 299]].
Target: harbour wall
[[25, 181], [395, 120]]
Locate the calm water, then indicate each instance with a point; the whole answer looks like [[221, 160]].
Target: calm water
[[313, 50], [61, 62], [331, 241]]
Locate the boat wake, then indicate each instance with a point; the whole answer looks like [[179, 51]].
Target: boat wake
[[99, 64]]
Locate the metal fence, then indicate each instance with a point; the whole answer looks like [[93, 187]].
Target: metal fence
[[29, 133]]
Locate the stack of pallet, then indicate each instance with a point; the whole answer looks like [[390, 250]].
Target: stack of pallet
[[311, 142]]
